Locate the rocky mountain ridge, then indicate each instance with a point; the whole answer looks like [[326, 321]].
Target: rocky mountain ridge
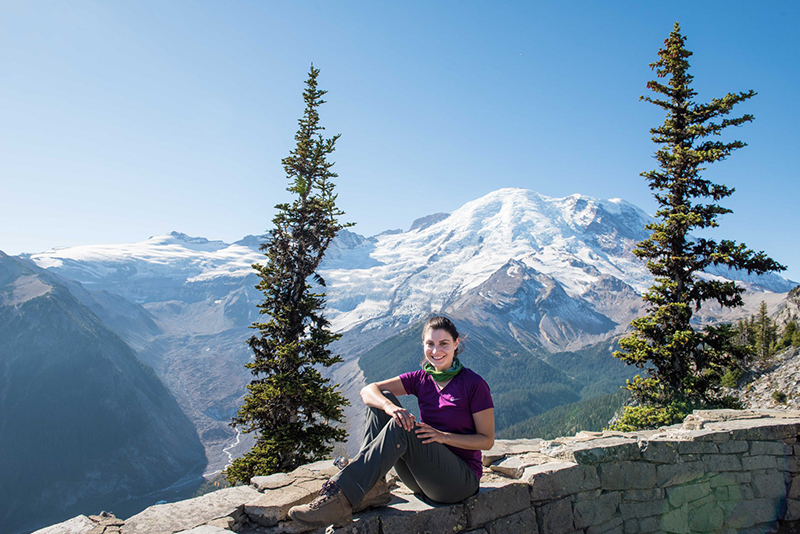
[[773, 384], [78, 408]]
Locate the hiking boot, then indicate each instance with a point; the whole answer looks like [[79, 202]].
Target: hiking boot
[[378, 495], [330, 508]]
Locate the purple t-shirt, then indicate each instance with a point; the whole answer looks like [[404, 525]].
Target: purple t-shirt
[[451, 409]]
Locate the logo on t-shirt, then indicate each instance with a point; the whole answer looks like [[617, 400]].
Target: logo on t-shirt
[[448, 400]]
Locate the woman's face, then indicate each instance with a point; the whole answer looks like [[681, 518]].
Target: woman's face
[[440, 348]]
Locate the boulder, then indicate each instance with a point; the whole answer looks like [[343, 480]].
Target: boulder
[[77, 525], [508, 447]]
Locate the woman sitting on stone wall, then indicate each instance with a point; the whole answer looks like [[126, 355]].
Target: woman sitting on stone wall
[[438, 457]]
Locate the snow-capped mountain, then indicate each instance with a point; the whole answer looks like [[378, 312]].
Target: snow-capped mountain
[[577, 241], [552, 273], [582, 244], [578, 248], [162, 268]]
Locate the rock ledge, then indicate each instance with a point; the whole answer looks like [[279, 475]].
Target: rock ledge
[[720, 471]]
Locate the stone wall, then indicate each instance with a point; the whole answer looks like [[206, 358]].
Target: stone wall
[[720, 471]]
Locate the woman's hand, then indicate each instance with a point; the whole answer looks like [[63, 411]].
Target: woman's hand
[[428, 434], [401, 416], [483, 439]]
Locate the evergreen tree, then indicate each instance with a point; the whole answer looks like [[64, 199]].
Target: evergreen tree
[[787, 335], [745, 333], [289, 404], [683, 364], [765, 333]]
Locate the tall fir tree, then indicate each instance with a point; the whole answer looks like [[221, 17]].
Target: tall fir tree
[[683, 364], [289, 404], [766, 333]]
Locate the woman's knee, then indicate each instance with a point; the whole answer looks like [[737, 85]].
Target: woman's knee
[[393, 427], [378, 412]]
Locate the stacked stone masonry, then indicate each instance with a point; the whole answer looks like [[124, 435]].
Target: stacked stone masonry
[[720, 471]]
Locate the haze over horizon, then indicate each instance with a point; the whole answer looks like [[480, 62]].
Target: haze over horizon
[[124, 121]]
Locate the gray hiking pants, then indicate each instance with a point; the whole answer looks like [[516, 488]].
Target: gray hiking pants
[[430, 469]]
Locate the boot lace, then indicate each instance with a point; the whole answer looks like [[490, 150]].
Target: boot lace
[[329, 489]]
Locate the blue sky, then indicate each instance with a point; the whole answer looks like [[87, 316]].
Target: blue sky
[[122, 120]]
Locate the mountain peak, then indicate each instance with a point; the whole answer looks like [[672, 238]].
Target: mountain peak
[[252, 241], [428, 220], [187, 241]]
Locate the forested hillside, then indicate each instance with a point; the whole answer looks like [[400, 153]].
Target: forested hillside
[[84, 425], [592, 414], [525, 384]]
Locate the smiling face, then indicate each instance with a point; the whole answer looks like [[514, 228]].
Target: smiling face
[[440, 348]]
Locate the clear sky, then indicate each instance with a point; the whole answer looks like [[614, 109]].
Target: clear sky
[[123, 120]]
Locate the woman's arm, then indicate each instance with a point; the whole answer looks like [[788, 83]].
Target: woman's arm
[[482, 440], [372, 396]]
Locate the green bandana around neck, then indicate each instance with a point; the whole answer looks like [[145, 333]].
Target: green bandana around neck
[[447, 374]]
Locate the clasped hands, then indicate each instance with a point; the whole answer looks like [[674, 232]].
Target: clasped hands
[[406, 420]]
